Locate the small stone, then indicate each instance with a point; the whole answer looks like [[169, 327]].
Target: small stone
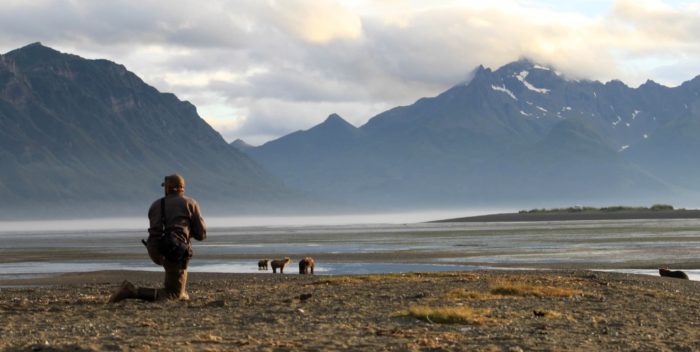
[[218, 303], [305, 296]]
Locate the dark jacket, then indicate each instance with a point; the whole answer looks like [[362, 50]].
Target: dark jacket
[[181, 214]]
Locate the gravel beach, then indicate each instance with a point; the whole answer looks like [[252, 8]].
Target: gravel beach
[[499, 310]]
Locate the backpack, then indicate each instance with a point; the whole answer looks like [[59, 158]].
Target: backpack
[[174, 246]]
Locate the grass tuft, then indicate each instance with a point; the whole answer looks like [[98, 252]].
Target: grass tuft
[[407, 277], [548, 314], [447, 315], [353, 279], [505, 288], [460, 293]]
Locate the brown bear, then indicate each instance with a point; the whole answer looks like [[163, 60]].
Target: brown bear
[[262, 264], [279, 264], [306, 266], [676, 273]]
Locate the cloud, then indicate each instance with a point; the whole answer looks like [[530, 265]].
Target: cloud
[[222, 124], [653, 27], [261, 69], [317, 22]]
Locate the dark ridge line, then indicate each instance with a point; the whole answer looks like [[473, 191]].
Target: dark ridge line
[[572, 216]]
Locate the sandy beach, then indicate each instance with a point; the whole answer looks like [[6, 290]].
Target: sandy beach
[[545, 310]]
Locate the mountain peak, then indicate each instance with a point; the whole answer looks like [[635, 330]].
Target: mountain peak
[[35, 54], [616, 83], [334, 117], [35, 45], [650, 84], [335, 121], [241, 145], [526, 61], [34, 49], [479, 71], [520, 64], [525, 64]]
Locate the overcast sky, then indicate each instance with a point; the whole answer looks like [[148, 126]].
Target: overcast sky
[[259, 69]]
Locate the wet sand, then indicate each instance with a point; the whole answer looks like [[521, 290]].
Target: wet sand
[[573, 310]]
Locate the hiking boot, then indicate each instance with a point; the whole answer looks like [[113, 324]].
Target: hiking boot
[[126, 290], [175, 285], [147, 294]]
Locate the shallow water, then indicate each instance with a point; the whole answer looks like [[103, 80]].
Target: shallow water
[[39, 269], [374, 248], [30, 270]]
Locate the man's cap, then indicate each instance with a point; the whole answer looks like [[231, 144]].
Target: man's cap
[[173, 181]]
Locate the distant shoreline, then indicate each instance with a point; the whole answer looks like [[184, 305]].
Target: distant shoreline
[[587, 215]]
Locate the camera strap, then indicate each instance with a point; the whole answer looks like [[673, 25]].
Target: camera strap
[[162, 213]]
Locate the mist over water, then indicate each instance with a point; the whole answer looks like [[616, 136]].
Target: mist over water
[[136, 223], [406, 217]]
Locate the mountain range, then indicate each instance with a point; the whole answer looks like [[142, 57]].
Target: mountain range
[[89, 137], [83, 137], [522, 134]]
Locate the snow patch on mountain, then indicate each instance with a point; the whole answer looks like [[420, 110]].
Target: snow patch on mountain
[[504, 90], [522, 76]]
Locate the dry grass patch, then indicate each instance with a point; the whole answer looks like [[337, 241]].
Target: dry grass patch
[[423, 276], [508, 288], [336, 280], [407, 277], [460, 293], [501, 289], [447, 315], [548, 314], [650, 292], [446, 274]]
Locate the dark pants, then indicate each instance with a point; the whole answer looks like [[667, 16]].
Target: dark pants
[[175, 273]]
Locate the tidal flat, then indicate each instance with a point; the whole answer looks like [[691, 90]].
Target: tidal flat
[[376, 248], [393, 287]]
